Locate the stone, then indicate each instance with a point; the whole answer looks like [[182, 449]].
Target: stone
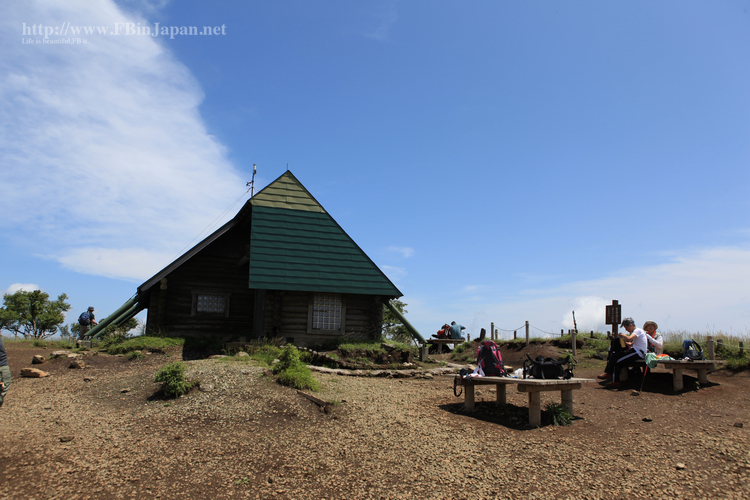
[[679, 466], [205, 387], [57, 354], [77, 364], [88, 379], [739, 424], [37, 359], [33, 373], [648, 419], [126, 390], [66, 439], [243, 354]]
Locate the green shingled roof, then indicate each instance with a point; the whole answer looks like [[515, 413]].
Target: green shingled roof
[[296, 245]]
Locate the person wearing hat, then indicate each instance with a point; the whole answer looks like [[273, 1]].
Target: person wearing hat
[[619, 360], [85, 321], [654, 338]]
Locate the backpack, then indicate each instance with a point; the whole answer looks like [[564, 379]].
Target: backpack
[[490, 359], [84, 319], [693, 351], [547, 368]]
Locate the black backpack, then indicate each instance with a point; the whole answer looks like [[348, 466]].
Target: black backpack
[[547, 368], [490, 359], [693, 351]]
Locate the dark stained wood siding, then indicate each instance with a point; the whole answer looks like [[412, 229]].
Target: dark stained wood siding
[[212, 270]]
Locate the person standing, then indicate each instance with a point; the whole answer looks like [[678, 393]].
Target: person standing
[[85, 321], [456, 329], [4, 372]]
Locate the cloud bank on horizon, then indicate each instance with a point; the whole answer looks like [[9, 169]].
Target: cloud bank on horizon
[[109, 168]]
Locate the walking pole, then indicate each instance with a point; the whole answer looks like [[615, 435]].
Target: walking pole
[[645, 372]]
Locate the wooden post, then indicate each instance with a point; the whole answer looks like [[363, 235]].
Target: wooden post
[[573, 341], [742, 349], [514, 334], [710, 348], [592, 334], [468, 337], [492, 331], [561, 332], [527, 334]]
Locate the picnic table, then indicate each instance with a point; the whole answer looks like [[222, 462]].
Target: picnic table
[[678, 366], [531, 386], [441, 342]]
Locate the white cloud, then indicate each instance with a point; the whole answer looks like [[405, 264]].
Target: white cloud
[[27, 287], [395, 274], [698, 291], [405, 252], [105, 153]]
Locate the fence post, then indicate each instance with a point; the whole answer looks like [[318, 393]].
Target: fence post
[[742, 349], [592, 334], [561, 332], [514, 335], [527, 334], [710, 348], [492, 331], [573, 341]]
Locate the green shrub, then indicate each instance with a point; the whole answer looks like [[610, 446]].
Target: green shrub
[[39, 343], [135, 355], [172, 377], [292, 372], [299, 377], [559, 413]]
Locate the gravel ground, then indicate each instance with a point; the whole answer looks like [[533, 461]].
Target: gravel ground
[[114, 436]]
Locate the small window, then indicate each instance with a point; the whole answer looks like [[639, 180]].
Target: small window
[[326, 313], [210, 302]]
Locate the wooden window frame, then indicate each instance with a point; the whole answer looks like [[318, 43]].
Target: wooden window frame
[[342, 320]]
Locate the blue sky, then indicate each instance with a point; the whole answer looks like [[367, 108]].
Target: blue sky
[[499, 161]]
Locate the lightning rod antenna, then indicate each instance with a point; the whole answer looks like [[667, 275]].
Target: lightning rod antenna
[[252, 182]]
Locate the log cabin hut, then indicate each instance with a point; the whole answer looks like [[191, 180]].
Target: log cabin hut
[[282, 267]]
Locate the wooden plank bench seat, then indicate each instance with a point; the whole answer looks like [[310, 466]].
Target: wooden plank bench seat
[[531, 386], [678, 366], [441, 342]]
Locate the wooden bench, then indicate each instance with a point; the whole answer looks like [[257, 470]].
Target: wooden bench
[[441, 342], [679, 365], [531, 386]]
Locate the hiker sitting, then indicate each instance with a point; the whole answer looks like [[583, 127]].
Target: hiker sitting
[[621, 359], [654, 338], [455, 330]]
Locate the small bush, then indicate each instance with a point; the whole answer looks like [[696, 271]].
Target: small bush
[[299, 377], [292, 372], [135, 355], [559, 413], [172, 377], [39, 343]]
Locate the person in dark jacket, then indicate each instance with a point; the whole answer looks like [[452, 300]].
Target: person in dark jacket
[[4, 373]]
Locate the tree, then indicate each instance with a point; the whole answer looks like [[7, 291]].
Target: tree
[[392, 327], [32, 314]]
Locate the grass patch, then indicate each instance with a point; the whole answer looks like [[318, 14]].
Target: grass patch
[[153, 344], [135, 355]]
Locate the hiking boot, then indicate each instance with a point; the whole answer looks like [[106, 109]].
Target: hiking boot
[[604, 376], [612, 385]]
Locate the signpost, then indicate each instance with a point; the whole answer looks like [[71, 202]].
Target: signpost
[[614, 316]]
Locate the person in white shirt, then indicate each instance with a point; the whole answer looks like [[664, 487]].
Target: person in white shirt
[[626, 358], [654, 338]]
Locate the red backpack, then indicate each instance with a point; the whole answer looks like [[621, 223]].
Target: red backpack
[[490, 359]]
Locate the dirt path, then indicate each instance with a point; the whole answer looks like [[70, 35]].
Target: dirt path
[[64, 437]]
